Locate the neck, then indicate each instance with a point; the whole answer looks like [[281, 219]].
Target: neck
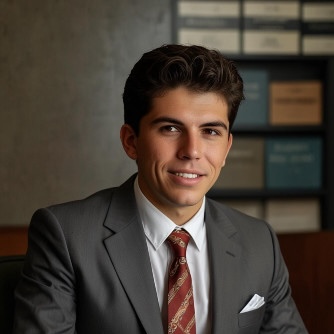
[[181, 215]]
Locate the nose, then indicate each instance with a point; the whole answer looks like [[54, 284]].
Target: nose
[[190, 147]]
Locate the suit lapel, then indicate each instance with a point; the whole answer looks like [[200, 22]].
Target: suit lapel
[[225, 258], [128, 252]]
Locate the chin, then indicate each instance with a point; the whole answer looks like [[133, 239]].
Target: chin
[[190, 201]]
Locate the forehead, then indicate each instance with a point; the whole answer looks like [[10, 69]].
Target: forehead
[[181, 100]]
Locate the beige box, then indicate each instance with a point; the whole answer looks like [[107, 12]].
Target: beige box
[[296, 103], [293, 215]]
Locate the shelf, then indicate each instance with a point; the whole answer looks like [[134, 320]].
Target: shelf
[[289, 69], [278, 130], [266, 193]]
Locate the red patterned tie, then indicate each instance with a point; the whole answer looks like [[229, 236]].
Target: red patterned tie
[[181, 310]]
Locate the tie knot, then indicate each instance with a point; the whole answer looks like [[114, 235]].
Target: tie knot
[[178, 240]]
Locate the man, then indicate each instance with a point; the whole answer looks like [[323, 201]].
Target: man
[[101, 265]]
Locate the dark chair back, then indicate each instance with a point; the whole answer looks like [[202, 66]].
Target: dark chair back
[[10, 270]]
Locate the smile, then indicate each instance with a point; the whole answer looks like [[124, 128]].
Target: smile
[[187, 175]]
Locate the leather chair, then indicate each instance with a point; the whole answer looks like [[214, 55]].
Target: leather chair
[[10, 269]]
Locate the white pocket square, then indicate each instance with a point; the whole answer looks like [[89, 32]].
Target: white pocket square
[[255, 303]]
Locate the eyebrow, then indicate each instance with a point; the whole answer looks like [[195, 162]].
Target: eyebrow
[[177, 122]]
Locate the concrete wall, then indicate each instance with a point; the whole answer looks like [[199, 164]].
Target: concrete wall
[[63, 64]]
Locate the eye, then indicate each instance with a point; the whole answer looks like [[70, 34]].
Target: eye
[[169, 128], [211, 132]]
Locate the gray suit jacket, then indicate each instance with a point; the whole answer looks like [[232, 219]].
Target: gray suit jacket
[[88, 271]]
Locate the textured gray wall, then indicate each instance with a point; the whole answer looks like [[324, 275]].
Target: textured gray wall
[[63, 64]]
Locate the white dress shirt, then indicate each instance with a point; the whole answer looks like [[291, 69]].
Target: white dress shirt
[[157, 228]]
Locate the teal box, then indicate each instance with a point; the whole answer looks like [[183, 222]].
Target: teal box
[[253, 111], [293, 163]]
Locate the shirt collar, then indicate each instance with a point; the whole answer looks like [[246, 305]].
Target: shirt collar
[[158, 227]]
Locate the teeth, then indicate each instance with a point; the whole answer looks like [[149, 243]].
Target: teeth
[[187, 175]]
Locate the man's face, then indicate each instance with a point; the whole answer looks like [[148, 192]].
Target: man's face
[[181, 147]]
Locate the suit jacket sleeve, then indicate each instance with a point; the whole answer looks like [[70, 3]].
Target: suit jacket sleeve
[[45, 298]]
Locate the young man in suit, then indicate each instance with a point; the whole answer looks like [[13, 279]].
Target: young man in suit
[[101, 264]]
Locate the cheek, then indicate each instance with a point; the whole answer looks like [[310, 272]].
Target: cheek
[[158, 150], [151, 154], [217, 157]]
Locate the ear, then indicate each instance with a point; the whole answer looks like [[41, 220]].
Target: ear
[[129, 141], [229, 145]]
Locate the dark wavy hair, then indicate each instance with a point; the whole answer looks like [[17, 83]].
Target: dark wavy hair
[[171, 66]]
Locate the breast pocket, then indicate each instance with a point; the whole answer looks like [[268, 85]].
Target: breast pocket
[[251, 318]]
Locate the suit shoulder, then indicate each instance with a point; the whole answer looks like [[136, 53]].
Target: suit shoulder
[[77, 212], [96, 200], [90, 211]]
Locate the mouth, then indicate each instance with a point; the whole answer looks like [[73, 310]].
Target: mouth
[[187, 175]]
